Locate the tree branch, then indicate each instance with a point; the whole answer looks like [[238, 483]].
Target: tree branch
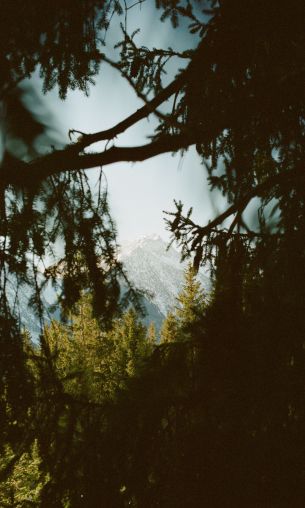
[[17, 172], [141, 95], [131, 120], [199, 232], [26, 174]]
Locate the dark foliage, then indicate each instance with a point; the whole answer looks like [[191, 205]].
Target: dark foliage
[[217, 419]]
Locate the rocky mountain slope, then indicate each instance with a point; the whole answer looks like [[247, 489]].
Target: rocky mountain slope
[[157, 271], [150, 267]]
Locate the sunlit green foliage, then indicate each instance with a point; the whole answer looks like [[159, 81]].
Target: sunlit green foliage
[[83, 373], [152, 334], [23, 486], [181, 323], [169, 330], [94, 364], [191, 301]]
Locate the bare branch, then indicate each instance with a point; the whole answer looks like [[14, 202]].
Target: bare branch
[[136, 3], [27, 174], [135, 117], [69, 158]]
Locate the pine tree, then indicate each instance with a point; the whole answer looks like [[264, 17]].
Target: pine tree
[[169, 330], [152, 334], [240, 101], [92, 363], [191, 303], [77, 350], [131, 345], [83, 375], [191, 300], [23, 486]]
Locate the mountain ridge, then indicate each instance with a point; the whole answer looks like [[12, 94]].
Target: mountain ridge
[[156, 269], [151, 266]]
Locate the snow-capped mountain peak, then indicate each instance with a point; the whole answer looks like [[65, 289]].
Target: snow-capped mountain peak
[[150, 266], [157, 269], [145, 241]]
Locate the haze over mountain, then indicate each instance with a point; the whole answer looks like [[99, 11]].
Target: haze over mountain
[[158, 271], [150, 266], [28, 318]]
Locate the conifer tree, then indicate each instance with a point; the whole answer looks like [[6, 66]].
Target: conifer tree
[[191, 301], [240, 102], [151, 334], [169, 331], [92, 363], [181, 323], [83, 375], [76, 349], [131, 345], [23, 486]]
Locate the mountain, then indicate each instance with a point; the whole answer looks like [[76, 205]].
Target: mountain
[[150, 266], [158, 271]]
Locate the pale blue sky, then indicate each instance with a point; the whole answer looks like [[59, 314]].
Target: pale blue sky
[[138, 192]]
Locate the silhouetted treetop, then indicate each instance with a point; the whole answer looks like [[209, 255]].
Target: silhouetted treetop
[[240, 98]]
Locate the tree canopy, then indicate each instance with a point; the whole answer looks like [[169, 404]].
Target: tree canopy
[[239, 99], [226, 405]]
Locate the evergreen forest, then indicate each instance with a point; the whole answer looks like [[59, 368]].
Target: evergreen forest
[[100, 410]]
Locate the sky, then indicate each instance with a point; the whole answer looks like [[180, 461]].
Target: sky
[[138, 192]]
